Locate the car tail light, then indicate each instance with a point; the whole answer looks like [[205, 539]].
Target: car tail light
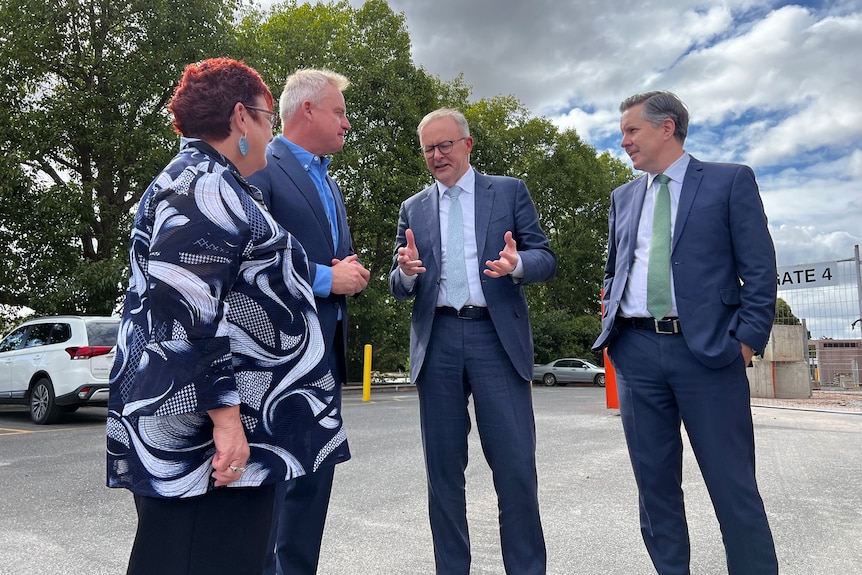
[[86, 352]]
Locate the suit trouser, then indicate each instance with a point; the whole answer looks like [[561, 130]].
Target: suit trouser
[[301, 506], [300, 511], [465, 357], [661, 384], [221, 533]]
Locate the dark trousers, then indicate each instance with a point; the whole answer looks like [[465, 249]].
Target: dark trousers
[[221, 533], [464, 358], [661, 384], [301, 504], [299, 519]]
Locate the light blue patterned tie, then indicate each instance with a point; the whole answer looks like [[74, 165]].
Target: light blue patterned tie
[[658, 273], [457, 290]]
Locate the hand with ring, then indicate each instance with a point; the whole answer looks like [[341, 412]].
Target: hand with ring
[[231, 446]]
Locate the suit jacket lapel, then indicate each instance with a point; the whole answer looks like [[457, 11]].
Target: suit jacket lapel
[[690, 186], [430, 225], [303, 182], [340, 214], [483, 206], [639, 188]]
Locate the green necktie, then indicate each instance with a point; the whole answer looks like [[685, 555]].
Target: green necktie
[[658, 273]]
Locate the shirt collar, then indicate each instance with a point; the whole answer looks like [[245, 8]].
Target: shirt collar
[[675, 171], [466, 183], [306, 158]]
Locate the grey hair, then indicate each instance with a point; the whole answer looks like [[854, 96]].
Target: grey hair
[[308, 84], [456, 115], [660, 106]]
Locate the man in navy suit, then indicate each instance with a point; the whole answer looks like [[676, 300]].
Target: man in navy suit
[[687, 362], [308, 203], [479, 345]]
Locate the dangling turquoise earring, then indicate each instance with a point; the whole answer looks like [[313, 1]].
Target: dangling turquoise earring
[[243, 145]]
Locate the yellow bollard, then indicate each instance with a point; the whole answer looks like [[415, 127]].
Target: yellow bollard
[[366, 374]]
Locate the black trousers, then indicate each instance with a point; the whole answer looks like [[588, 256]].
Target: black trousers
[[224, 532]]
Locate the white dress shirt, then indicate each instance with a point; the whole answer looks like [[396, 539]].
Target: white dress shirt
[[634, 301], [471, 248]]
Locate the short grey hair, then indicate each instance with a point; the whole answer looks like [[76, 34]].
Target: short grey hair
[[308, 84], [659, 106], [456, 115]]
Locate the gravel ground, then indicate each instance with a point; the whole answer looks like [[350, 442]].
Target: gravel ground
[[844, 401]]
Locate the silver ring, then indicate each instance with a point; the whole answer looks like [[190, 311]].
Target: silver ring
[[236, 469]]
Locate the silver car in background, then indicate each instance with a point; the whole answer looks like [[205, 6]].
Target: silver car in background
[[569, 370]]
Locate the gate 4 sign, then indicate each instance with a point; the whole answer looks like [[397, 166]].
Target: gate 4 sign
[[808, 275]]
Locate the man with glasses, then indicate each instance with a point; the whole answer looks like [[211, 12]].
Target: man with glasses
[[466, 246], [309, 204]]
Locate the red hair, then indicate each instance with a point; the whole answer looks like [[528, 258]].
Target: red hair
[[207, 93]]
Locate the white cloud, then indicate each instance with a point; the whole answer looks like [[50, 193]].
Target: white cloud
[[805, 244]]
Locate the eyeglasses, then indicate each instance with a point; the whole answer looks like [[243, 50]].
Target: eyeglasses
[[444, 147], [273, 116]]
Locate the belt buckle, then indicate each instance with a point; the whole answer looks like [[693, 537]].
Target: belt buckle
[[673, 326], [466, 308]]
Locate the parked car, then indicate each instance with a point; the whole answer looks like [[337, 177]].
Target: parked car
[[57, 364], [569, 370]]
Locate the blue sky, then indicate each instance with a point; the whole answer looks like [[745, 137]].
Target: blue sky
[[775, 85]]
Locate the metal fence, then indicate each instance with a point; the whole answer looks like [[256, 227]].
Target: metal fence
[[826, 298]]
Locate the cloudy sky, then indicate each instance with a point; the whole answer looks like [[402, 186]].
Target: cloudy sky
[[771, 84]]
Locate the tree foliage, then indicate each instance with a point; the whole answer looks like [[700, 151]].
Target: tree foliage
[[783, 314], [83, 87], [86, 82], [380, 165]]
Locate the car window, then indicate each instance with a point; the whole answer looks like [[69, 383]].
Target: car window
[[39, 334], [564, 363], [60, 332], [14, 339], [578, 364], [102, 332]]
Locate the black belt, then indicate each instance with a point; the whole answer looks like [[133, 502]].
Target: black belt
[[466, 312], [667, 326]]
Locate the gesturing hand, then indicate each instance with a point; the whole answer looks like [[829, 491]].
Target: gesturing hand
[[507, 262], [408, 256]]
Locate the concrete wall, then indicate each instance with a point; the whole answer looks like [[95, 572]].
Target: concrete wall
[[783, 370], [760, 379]]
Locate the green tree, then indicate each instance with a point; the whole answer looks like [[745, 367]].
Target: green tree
[[83, 88], [380, 165], [85, 130], [783, 314]]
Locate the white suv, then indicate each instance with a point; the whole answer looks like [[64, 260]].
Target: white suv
[[57, 364]]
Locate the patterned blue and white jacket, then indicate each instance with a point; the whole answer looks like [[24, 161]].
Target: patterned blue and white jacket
[[219, 312]]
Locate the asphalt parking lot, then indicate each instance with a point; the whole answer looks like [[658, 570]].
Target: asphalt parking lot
[[56, 516]]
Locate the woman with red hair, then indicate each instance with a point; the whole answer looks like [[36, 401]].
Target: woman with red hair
[[217, 391]]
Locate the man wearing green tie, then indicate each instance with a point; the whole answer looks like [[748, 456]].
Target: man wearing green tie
[[689, 297]]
